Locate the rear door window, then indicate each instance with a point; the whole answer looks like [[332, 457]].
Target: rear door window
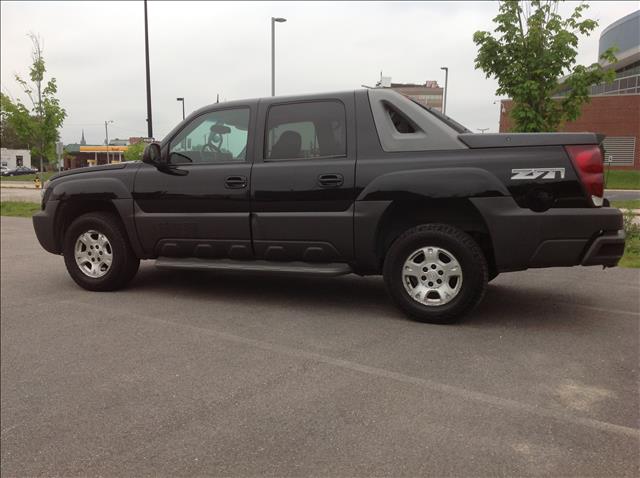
[[307, 130]]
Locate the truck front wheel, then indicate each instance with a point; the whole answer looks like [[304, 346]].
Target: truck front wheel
[[97, 253], [435, 273]]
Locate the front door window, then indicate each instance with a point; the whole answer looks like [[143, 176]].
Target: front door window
[[219, 136]]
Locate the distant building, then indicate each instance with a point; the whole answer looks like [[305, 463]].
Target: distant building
[[12, 158], [81, 154], [429, 94], [614, 109]]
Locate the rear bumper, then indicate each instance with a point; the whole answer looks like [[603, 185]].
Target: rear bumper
[[43, 224], [525, 239], [605, 250]]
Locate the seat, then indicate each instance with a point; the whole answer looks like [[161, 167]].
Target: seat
[[287, 146]]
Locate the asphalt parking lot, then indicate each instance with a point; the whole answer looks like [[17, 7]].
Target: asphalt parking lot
[[197, 374]]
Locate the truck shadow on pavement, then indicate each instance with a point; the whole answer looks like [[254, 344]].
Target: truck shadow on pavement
[[503, 305]]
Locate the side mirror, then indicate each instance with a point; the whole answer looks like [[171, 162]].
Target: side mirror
[[152, 154]]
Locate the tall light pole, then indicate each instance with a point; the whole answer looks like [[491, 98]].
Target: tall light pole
[[500, 111], [182, 100], [146, 55], [106, 137], [482, 130], [273, 52], [446, 88]]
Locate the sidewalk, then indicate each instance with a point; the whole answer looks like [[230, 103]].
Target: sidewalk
[[20, 194], [17, 184]]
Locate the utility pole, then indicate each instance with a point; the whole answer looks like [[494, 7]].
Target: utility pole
[[446, 88], [106, 137], [146, 54]]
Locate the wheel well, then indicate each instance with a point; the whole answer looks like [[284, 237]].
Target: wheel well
[[461, 213], [71, 209]]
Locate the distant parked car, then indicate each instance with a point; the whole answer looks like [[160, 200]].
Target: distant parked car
[[19, 171]]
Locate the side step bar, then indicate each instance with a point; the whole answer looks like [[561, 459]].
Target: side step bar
[[230, 265]]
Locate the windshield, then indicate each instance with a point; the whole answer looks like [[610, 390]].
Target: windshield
[[444, 118]]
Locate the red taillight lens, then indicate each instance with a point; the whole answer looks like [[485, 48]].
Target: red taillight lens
[[588, 161]]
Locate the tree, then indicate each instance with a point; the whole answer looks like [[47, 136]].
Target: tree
[[134, 152], [532, 49], [36, 125], [9, 137]]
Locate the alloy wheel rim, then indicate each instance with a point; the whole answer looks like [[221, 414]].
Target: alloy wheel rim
[[432, 276], [93, 254]]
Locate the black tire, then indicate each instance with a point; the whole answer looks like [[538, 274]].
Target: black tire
[[468, 254], [124, 263], [492, 275]]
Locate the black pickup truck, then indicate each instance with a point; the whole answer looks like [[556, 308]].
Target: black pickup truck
[[365, 182]]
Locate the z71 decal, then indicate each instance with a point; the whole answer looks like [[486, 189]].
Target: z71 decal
[[537, 173]]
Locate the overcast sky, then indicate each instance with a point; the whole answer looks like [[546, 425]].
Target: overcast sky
[[200, 49]]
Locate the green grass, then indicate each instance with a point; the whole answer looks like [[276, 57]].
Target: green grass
[[622, 179], [627, 204], [631, 256], [18, 208], [27, 177]]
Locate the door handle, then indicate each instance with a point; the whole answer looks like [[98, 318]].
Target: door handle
[[331, 180], [235, 182]]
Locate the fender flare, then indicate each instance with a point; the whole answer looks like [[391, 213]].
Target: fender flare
[[94, 188], [105, 190], [431, 185]]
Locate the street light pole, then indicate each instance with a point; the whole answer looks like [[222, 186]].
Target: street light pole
[[446, 88], [482, 130], [182, 100], [273, 52], [500, 111], [106, 139], [146, 54]]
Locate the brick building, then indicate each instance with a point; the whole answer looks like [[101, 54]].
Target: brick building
[[429, 94]]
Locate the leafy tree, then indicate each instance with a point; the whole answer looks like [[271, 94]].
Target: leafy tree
[[134, 152], [8, 135], [531, 49], [36, 125]]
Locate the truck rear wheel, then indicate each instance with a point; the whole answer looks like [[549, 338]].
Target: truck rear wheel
[[97, 252], [435, 273]]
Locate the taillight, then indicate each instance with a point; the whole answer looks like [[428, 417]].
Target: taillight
[[588, 161]]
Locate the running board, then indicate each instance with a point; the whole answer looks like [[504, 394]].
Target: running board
[[230, 265]]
